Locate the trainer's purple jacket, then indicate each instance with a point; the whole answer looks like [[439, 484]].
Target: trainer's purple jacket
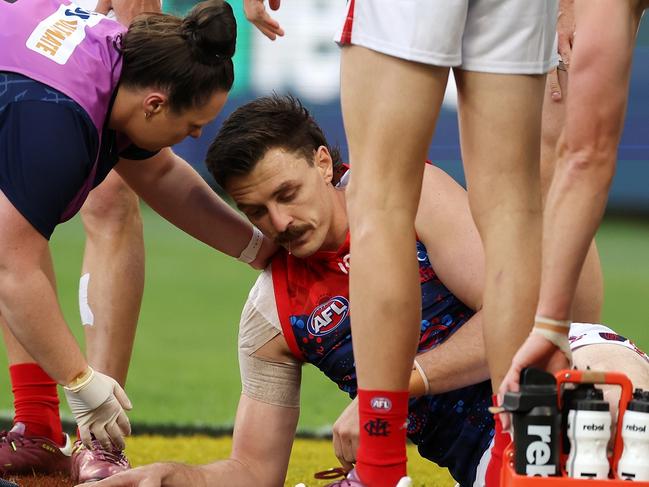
[[68, 48]]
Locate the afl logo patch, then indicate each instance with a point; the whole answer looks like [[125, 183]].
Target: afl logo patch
[[381, 404], [326, 317]]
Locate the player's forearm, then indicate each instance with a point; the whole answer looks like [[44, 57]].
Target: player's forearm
[[28, 304], [177, 192], [458, 362], [233, 473]]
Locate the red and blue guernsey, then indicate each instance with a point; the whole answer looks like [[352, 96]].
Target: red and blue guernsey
[[312, 295], [68, 48]]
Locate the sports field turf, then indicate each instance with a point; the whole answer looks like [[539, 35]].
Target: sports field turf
[[309, 456], [184, 369]]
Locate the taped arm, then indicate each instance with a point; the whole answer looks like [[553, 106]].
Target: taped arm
[[269, 372]]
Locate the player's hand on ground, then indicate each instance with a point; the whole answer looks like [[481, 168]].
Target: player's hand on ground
[[154, 475], [256, 13], [127, 10], [266, 252], [98, 407], [566, 30], [345, 435]]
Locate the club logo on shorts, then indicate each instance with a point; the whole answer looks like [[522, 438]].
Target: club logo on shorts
[[327, 316], [380, 404]]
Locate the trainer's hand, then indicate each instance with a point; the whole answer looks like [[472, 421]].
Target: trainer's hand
[[256, 13], [98, 407], [536, 351], [554, 83], [345, 435], [566, 30], [127, 10]]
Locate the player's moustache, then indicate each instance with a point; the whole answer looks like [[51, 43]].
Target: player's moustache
[[291, 234]]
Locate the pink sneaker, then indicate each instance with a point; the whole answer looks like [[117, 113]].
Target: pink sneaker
[[351, 479], [22, 454], [97, 464]]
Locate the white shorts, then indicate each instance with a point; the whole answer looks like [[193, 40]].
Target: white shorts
[[582, 334], [492, 36]]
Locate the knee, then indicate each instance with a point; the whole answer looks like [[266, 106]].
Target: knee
[[111, 207], [371, 209]]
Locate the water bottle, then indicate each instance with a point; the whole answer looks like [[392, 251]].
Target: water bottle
[[570, 397], [634, 463], [589, 430], [537, 424]]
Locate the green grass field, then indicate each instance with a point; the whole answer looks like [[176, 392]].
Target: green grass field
[[184, 369], [308, 457]]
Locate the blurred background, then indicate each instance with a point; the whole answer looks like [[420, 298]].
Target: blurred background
[[184, 373]]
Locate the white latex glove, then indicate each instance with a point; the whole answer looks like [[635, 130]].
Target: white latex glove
[[98, 406]]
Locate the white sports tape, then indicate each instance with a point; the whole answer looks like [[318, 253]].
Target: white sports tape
[[87, 317], [560, 340], [252, 249], [423, 377], [270, 382]]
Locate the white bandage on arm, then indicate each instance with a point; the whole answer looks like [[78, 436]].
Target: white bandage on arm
[[87, 316], [273, 383], [555, 331], [252, 249]]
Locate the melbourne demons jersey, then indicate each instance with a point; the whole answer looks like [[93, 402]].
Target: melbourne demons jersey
[[68, 48], [312, 297]]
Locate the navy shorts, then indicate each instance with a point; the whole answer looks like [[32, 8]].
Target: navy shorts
[[48, 145]]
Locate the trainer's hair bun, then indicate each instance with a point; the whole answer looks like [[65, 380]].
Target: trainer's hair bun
[[211, 31]]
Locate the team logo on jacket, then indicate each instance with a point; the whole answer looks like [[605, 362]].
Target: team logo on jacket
[[327, 316]]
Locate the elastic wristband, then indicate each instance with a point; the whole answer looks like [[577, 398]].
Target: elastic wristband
[[252, 249], [558, 339], [81, 381], [550, 321], [423, 377]]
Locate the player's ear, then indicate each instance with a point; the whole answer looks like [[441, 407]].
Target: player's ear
[[324, 163]]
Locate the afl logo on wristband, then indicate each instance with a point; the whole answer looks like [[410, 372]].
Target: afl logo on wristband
[[380, 404], [327, 316]]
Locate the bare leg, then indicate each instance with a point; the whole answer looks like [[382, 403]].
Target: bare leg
[[16, 354], [500, 150], [587, 307], [114, 259], [389, 123], [36, 402]]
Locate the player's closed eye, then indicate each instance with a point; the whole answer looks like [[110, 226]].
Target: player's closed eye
[[287, 197], [256, 213]]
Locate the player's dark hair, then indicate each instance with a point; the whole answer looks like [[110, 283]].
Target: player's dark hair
[[270, 122], [189, 58]]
